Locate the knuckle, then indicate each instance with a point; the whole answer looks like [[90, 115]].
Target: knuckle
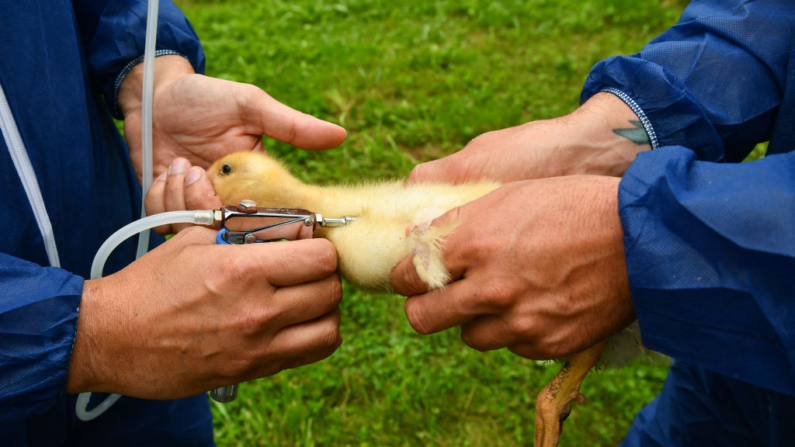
[[237, 267], [558, 344], [246, 92], [329, 335], [250, 324], [335, 290], [499, 295], [292, 131], [234, 277], [523, 327], [479, 248]]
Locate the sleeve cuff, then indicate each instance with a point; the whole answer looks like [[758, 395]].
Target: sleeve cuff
[[707, 246], [644, 120], [119, 41], [38, 323], [668, 108]]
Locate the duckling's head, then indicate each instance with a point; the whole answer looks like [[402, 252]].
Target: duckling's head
[[251, 175]]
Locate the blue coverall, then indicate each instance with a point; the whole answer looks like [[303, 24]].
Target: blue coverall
[[58, 59], [710, 242]]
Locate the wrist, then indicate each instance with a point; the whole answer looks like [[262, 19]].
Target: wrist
[[607, 207], [606, 136], [85, 370], [168, 68], [607, 229]]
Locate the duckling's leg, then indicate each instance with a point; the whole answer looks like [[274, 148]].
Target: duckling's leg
[[425, 245], [554, 402]]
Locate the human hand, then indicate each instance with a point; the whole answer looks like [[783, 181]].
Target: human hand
[[587, 141], [182, 187], [538, 267], [191, 316], [202, 118]]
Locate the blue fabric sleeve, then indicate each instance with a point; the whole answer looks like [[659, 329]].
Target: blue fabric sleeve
[[710, 251], [38, 320], [714, 81], [114, 33]]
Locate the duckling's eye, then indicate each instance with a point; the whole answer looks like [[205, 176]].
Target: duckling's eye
[[226, 169]]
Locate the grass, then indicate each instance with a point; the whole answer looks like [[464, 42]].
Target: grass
[[413, 81]]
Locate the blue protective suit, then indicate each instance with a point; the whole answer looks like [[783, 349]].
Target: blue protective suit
[[710, 242], [58, 60]]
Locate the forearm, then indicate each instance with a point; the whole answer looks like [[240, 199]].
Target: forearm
[[599, 138], [710, 253]]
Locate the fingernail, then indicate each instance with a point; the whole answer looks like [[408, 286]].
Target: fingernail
[[162, 177], [193, 174], [178, 166]]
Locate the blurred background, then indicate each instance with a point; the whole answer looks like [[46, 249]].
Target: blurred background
[[413, 81]]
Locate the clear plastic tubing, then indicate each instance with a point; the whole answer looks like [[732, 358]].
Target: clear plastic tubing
[[146, 118], [198, 217], [146, 180]]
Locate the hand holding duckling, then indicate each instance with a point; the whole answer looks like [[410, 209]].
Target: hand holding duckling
[[583, 142], [538, 266], [202, 118]]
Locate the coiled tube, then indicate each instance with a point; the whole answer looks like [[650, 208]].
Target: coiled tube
[[199, 217]]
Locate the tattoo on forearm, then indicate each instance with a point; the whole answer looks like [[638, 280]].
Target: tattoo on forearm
[[636, 134]]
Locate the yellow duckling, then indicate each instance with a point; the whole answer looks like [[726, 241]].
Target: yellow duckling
[[370, 248]]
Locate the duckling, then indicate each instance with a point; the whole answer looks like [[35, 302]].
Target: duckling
[[370, 248]]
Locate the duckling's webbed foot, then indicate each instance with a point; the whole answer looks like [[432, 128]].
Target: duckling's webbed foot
[[553, 405], [425, 242]]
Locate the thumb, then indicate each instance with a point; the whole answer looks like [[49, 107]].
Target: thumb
[[466, 165], [276, 120], [451, 169]]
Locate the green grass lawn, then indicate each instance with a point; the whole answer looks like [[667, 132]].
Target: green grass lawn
[[413, 81]]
